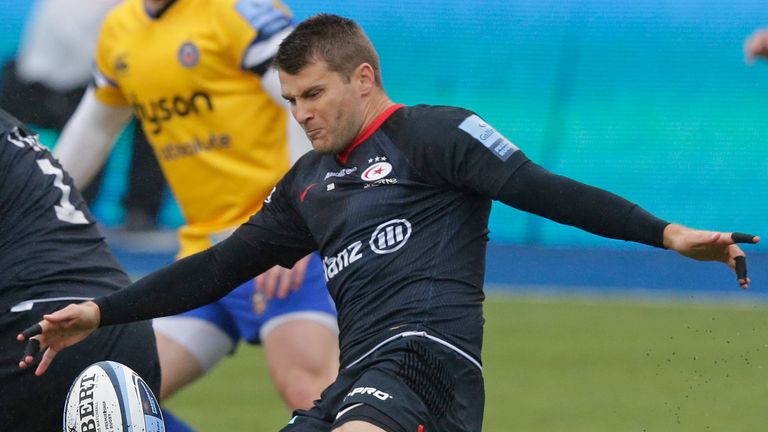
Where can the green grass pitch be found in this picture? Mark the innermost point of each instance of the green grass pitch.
(567, 364)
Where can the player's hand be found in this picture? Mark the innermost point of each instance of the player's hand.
(280, 281)
(711, 246)
(756, 46)
(57, 331)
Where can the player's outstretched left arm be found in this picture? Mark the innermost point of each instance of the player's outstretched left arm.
(57, 331)
(534, 189)
(711, 246)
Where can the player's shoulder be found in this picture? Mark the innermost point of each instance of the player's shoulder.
(124, 17)
(424, 121)
(419, 115)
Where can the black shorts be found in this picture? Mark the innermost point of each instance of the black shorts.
(30, 403)
(412, 384)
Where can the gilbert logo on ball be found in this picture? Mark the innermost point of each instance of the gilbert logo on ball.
(110, 397)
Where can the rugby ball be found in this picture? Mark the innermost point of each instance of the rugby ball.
(110, 397)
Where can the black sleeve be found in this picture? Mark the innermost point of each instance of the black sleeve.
(189, 283)
(533, 189)
(275, 235)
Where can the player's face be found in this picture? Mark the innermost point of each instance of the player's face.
(329, 108)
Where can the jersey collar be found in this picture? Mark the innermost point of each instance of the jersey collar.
(160, 12)
(343, 156)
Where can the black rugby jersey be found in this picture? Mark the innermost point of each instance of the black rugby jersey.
(400, 219)
(49, 244)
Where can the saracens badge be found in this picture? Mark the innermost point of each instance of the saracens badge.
(377, 171)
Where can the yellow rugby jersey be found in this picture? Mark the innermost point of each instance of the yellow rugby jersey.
(192, 74)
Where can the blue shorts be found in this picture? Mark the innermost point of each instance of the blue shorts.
(236, 314)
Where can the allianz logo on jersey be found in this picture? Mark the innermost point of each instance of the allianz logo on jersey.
(157, 112)
(387, 238)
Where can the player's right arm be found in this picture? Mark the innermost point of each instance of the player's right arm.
(87, 139)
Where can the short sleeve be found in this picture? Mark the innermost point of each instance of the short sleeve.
(458, 148)
(105, 85)
(252, 31)
(280, 225)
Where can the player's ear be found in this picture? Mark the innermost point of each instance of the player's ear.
(366, 77)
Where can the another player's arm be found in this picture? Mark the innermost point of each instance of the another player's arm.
(88, 137)
(756, 46)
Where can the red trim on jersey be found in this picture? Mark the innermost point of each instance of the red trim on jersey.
(368, 131)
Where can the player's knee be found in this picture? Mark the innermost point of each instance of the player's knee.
(300, 390)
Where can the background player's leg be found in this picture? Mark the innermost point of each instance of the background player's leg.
(358, 426)
(299, 335)
(179, 366)
(303, 359)
(189, 346)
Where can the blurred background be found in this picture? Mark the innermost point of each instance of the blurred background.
(650, 99)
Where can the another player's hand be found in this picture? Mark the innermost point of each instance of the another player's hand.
(57, 331)
(280, 281)
(711, 246)
(756, 46)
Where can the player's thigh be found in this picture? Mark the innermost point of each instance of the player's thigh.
(303, 343)
(191, 344)
(31, 403)
(302, 356)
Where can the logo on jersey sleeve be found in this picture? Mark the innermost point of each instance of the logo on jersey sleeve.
(189, 54)
(501, 147)
(121, 64)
